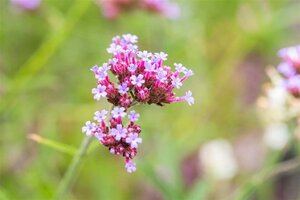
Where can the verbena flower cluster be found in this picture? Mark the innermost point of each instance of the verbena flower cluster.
(112, 8)
(136, 77)
(290, 69)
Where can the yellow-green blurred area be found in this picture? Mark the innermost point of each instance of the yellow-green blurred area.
(45, 90)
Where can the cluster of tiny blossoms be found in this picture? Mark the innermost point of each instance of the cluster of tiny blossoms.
(112, 8)
(140, 77)
(290, 69)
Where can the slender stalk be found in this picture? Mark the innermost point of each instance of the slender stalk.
(72, 171)
(70, 175)
(250, 186)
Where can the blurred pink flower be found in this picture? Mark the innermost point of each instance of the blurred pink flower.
(163, 7)
(27, 4)
(291, 55)
(290, 69)
(111, 9)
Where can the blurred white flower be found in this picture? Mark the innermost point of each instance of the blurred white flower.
(276, 136)
(218, 159)
(277, 98)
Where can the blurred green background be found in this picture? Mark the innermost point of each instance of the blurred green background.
(45, 89)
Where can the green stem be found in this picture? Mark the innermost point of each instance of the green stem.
(70, 175)
(72, 171)
(247, 189)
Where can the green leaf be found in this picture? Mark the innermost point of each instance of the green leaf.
(53, 144)
(200, 190)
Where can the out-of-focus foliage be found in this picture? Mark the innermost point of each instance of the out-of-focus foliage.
(226, 43)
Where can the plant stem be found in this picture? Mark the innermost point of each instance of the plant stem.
(71, 173)
(250, 186)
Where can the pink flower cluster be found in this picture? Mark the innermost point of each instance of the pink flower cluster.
(112, 8)
(141, 77)
(290, 69)
(163, 7)
(28, 5)
(120, 139)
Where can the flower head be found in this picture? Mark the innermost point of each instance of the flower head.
(100, 115)
(180, 68)
(144, 55)
(176, 81)
(132, 68)
(140, 77)
(161, 56)
(189, 98)
(99, 135)
(89, 128)
(161, 75)
(133, 139)
(99, 92)
(130, 38)
(137, 80)
(149, 67)
(133, 116)
(130, 166)
(119, 132)
(118, 112)
(123, 88)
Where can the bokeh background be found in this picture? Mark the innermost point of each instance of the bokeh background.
(45, 99)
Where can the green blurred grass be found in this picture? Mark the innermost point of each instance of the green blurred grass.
(212, 37)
